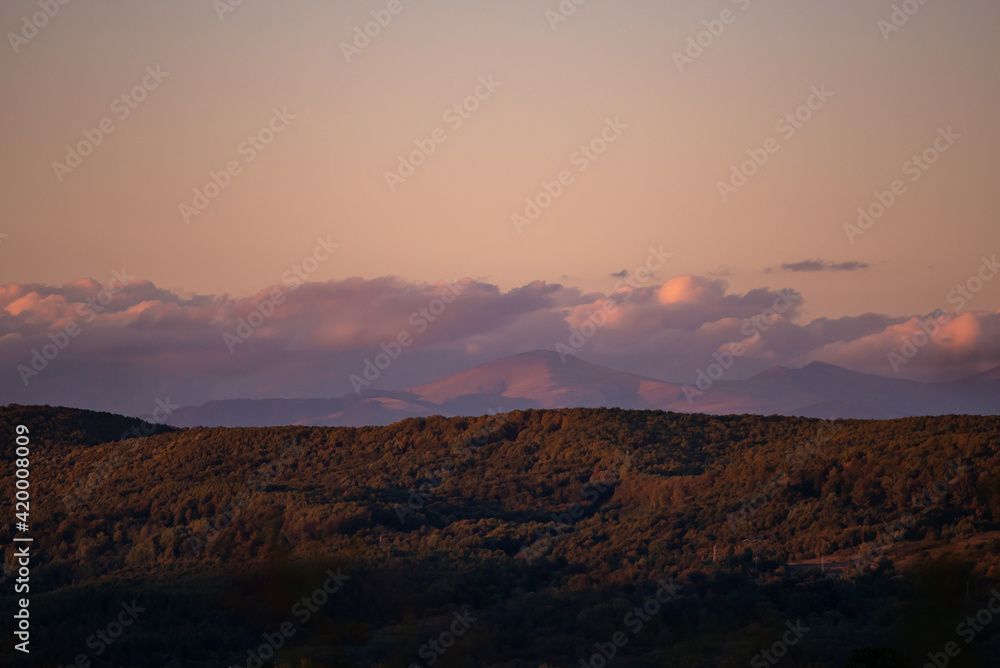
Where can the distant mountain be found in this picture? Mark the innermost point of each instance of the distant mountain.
(537, 379)
(986, 376)
(368, 408)
(544, 380)
(541, 379)
(819, 387)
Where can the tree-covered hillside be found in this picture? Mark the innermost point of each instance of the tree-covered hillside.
(530, 538)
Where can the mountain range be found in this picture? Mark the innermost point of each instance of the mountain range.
(543, 379)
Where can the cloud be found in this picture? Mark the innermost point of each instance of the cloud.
(962, 346)
(620, 274)
(820, 265)
(848, 266)
(142, 343)
(687, 289)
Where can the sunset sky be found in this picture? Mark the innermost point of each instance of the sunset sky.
(607, 76)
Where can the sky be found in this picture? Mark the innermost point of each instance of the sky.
(210, 153)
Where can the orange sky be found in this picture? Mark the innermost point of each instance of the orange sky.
(657, 184)
(218, 147)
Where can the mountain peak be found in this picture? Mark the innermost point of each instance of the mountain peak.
(823, 366)
(811, 370)
(992, 374)
(544, 355)
(544, 377)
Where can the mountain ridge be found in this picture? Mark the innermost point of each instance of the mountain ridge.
(544, 379)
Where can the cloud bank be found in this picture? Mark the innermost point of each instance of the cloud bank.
(123, 345)
(820, 265)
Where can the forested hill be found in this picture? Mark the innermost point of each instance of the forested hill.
(69, 426)
(547, 527)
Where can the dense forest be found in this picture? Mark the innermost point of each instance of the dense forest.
(563, 538)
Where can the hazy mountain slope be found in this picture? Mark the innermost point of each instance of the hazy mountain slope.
(253, 412)
(373, 411)
(543, 379)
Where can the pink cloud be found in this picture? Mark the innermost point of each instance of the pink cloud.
(686, 289)
(145, 343)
